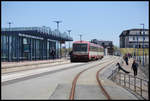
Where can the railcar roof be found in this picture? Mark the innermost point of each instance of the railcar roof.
(88, 43)
(81, 42)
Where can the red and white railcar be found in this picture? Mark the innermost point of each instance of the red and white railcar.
(85, 51)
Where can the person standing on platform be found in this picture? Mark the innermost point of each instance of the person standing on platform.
(126, 59)
(53, 53)
(134, 67)
(70, 53)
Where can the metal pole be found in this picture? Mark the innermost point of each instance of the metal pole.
(137, 47)
(143, 43)
(120, 78)
(9, 24)
(148, 88)
(141, 86)
(113, 75)
(129, 81)
(80, 37)
(69, 44)
(135, 51)
(69, 41)
(135, 83)
(57, 22)
(9, 41)
(57, 25)
(124, 80)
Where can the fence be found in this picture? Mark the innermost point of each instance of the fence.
(138, 85)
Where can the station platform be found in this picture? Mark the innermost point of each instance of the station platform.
(7, 67)
(117, 91)
(92, 91)
(23, 63)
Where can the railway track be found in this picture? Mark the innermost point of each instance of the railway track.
(29, 67)
(74, 83)
(42, 73)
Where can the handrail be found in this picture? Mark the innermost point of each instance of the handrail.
(141, 82)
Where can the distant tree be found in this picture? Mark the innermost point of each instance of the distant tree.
(116, 47)
(65, 51)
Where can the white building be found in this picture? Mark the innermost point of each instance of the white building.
(133, 38)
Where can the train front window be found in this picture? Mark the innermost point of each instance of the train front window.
(80, 47)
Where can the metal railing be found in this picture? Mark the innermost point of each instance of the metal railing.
(136, 84)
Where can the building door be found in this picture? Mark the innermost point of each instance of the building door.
(26, 49)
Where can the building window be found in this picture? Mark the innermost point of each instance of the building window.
(4, 47)
(24, 40)
(133, 37)
(146, 46)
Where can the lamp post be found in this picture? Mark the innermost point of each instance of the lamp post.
(57, 22)
(80, 37)
(137, 47)
(143, 43)
(9, 41)
(69, 41)
(9, 24)
(135, 51)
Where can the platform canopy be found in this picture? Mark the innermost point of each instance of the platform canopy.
(45, 32)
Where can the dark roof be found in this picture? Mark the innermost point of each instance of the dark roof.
(95, 40)
(106, 43)
(127, 32)
(137, 29)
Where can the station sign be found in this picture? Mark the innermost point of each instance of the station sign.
(30, 36)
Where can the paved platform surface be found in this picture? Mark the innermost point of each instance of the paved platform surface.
(116, 92)
(88, 92)
(8, 67)
(27, 74)
(25, 63)
(92, 91)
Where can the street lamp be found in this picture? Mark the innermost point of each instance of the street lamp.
(69, 41)
(135, 51)
(143, 43)
(57, 22)
(9, 24)
(9, 41)
(137, 46)
(80, 37)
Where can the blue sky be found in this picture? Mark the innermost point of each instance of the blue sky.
(94, 20)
